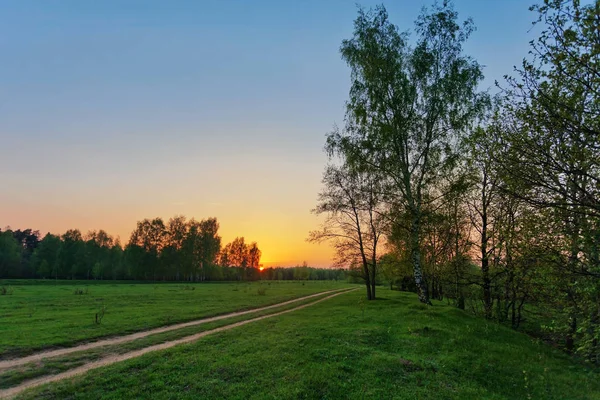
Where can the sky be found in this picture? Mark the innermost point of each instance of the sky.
(115, 111)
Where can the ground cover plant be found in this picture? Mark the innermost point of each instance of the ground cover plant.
(39, 316)
(393, 347)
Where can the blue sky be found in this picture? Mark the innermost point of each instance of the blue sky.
(113, 111)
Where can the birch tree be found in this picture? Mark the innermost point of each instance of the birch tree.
(408, 107)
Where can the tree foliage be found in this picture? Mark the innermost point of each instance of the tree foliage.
(494, 209)
(408, 107)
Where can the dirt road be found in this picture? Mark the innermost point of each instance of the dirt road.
(11, 363)
(8, 393)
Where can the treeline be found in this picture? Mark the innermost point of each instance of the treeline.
(178, 250)
(490, 203)
(304, 273)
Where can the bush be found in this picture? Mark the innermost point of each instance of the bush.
(262, 291)
(80, 291)
(100, 314)
(6, 290)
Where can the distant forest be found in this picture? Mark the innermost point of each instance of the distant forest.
(178, 250)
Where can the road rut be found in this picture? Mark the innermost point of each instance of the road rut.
(11, 363)
(11, 392)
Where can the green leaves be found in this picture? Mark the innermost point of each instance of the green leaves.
(550, 137)
(408, 108)
(407, 105)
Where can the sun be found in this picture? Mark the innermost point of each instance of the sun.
(261, 268)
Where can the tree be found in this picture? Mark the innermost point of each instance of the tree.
(97, 253)
(177, 230)
(10, 255)
(29, 240)
(45, 258)
(135, 257)
(395, 270)
(243, 259)
(254, 254)
(354, 222)
(72, 254)
(238, 253)
(224, 260)
(150, 236)
(553, 143)
(550, 142)
(482, 205)
(118, 269)
(210, 242)
(408, 106)
(192, 251)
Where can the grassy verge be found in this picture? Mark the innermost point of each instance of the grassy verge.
(50, 366)
(344, 348)
(43, 316)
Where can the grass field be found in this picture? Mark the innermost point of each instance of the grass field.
(347, 348)
(45, 314)
(57, 364)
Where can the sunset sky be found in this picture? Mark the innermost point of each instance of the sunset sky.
(114, 111)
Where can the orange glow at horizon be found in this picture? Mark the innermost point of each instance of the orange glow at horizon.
(271, 207)
(112, 119)
(278, 222)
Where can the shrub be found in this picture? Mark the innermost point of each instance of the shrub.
(80, 291)
(262, 291)
(100, 314)
(6, 290)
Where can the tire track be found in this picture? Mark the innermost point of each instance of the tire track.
(11, 392)
(11, 363)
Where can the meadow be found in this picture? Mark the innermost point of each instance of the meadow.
(345, 347)
(38, 315)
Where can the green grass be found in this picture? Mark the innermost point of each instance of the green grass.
(47, 314)
(397, 348)
(54, 365)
